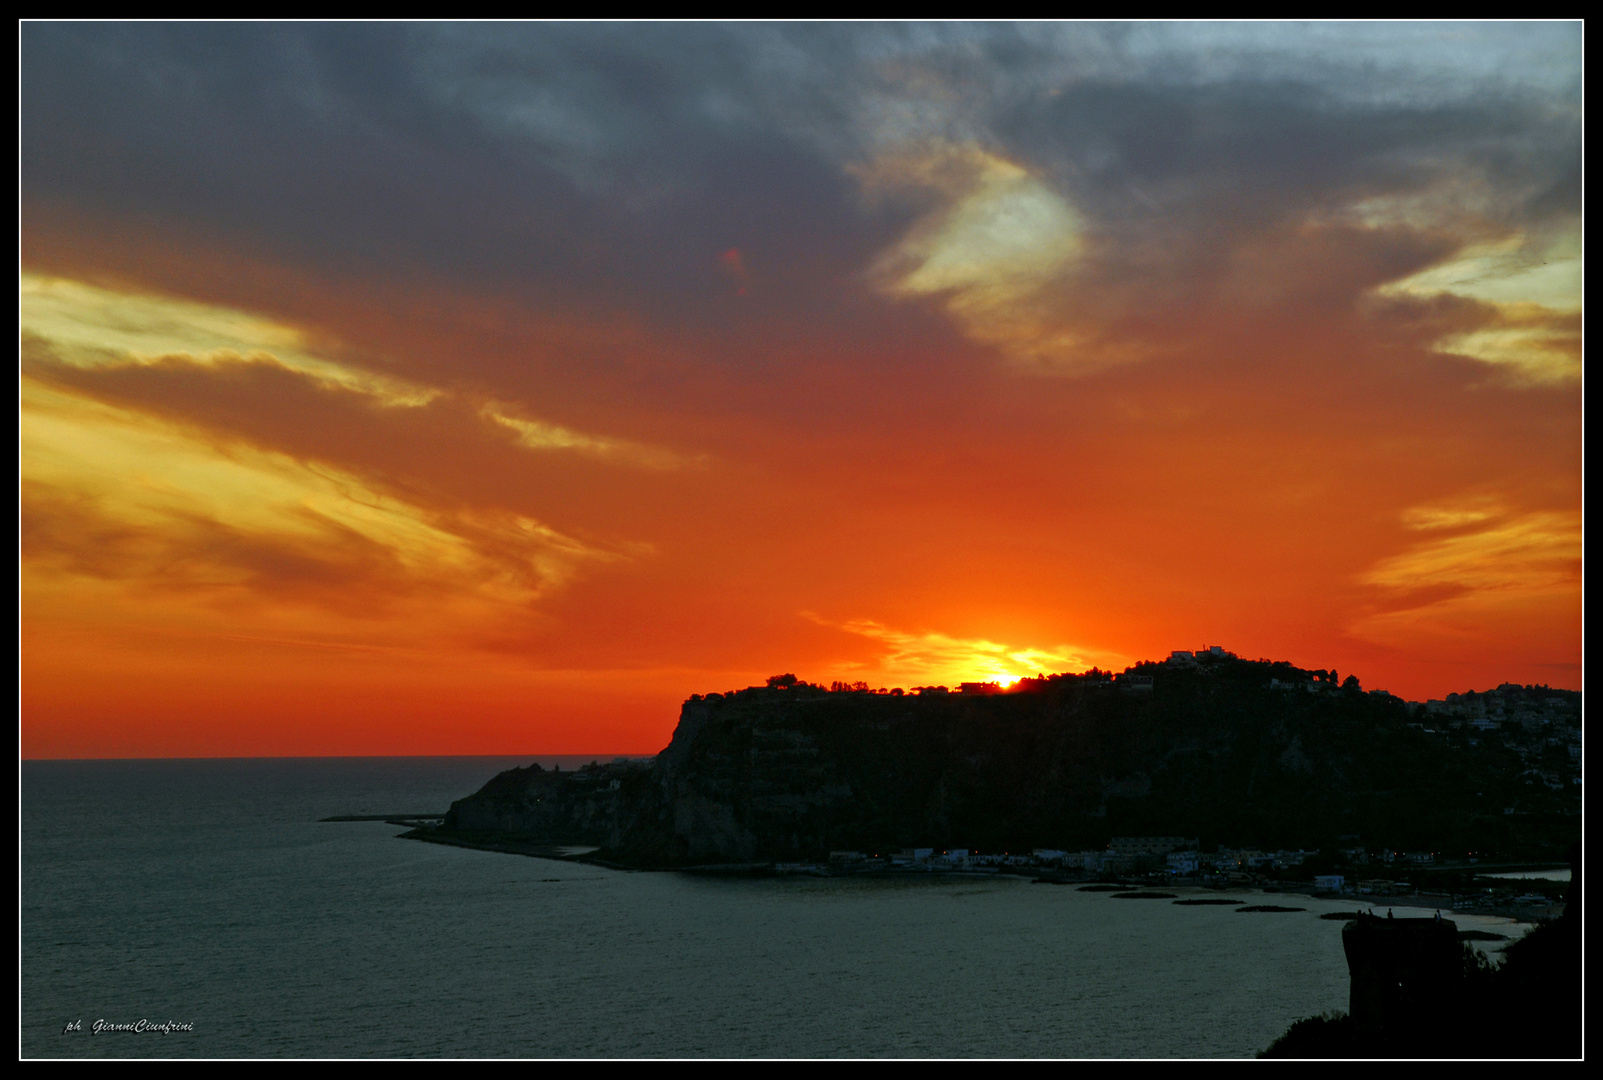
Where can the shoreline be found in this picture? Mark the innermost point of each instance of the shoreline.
(554, 852)
(1447, 905)
(1529, 913)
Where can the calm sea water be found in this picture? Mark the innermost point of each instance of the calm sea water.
(207, 893)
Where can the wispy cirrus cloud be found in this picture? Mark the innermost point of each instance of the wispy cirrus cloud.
(1479, 566)
(1528, 292)
(89, 328)
(114, 494)
(186, 449)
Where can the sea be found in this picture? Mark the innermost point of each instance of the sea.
(200, 909)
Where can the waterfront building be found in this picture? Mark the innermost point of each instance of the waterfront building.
(1150, 845)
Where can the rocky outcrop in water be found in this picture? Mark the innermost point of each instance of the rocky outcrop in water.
(1418, 991)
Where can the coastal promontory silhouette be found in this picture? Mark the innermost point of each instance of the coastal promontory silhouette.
(1212, 746)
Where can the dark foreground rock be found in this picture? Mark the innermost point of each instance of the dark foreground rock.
(1419, 990)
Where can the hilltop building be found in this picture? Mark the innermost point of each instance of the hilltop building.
(1182, 658)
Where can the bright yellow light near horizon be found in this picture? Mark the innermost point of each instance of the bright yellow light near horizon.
(937, 659)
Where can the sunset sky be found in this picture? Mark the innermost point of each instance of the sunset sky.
(471, 389)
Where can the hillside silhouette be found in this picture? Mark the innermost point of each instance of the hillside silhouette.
(1228, 751)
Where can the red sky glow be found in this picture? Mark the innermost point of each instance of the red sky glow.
(458, 389)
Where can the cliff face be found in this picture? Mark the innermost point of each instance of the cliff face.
(782, 774)
(602, 806)
(792, 774)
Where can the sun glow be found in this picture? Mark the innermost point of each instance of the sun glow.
(936, 658)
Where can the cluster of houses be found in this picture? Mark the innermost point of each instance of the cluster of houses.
(1338, 883)
(1376, 886)
(1360, 856)
(926, 858)
(1532, 719)
(1542, 727)
(1176, 855)
(1509, 703)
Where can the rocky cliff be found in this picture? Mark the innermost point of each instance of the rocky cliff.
(1227, 753)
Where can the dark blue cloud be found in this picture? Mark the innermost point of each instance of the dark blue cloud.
(603, 168)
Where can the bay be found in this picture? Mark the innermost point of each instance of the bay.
(208, 893)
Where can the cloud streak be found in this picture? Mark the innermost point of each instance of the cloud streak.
(221, 476)
(1482, 566)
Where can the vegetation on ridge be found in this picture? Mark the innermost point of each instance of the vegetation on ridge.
(1231, 751)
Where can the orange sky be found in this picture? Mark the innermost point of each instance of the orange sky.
(461, 390)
